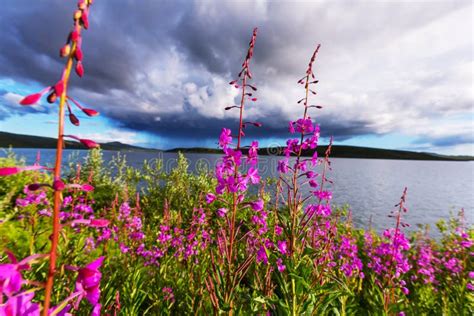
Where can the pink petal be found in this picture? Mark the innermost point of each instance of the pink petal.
(65, 50)
(94, 265)
(59, 87)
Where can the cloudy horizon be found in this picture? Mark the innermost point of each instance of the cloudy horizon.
(395, 75)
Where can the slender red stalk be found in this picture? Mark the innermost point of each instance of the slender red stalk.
(294, 201)
(57, 194)
(57, 170)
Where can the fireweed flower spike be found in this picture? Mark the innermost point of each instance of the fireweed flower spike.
(72, 51)
(230, 180)
(291, 174)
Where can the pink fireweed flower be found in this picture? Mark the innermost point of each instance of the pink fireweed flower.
(262, 255)
(210, 198)
(88, 282)
(10, 273)
(222, 212)
(282, 247)
(291, 127)
(168, 294)
(20, 305)
(32, 198)
(257, 205)
(10, 279)
(253, 176)
(253, 154)
(304, 126)
(278, 230)
(225, 138)
(348, 256)
(283, 166)
(280, 266)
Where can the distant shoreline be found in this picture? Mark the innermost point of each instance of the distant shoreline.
(18, 141)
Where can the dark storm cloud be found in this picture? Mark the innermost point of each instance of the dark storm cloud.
(162, 66)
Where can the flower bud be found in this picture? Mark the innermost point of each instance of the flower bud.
(90, 112)
(78, 54)
(89, 143)
(34, 186)
(31, 99)
(79, 69)
(74, 120)
(52, 97)
(77, 14)
(65, 50)
(59, 87)
(74, 36)
(85, 20)
(58, 185)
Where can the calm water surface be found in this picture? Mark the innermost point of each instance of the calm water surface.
(371, 187)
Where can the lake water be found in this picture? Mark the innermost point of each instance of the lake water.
(371, 187)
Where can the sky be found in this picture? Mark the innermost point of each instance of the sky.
(392, 74)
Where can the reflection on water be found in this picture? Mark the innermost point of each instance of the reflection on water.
(371, 187)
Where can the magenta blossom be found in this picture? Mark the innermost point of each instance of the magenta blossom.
(262, 255)
(253, 176)
(221, 212)
(88, 282)
(281, 267)
(20, 305)
(282, 247)
(10, 273)
(225, 138)
(210, 198)
(257, 205)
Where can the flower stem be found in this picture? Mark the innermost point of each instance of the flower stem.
(57, 194)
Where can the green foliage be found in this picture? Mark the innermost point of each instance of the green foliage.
(170, 197)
